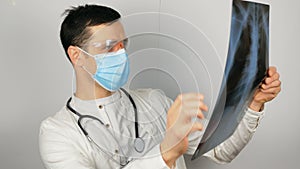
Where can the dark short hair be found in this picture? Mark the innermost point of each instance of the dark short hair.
(74, 27)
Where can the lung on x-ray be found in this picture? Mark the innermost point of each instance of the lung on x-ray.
(246, 66)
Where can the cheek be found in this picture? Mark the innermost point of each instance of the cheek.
(91, 65)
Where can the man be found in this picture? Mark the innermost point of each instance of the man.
(103, 126)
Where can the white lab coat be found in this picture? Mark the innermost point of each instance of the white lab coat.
(64, 146)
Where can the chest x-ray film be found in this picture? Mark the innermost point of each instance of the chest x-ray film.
(246, 65)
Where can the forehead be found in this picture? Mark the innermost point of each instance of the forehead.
(103, 32)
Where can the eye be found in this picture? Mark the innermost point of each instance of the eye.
(98, 47)
(110, 44)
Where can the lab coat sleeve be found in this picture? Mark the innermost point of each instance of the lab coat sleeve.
(230, 148)
(58, 151)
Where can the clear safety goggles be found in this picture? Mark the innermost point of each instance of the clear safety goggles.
(106, 38)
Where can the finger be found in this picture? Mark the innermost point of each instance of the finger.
(274, 90)
(188, 114)
(197, 114)
(201, 96)
(202, 106)
(267, 97)
(200, 115)
(272, 78)
(272, 70)
(194, 104)
(185, 97)
(275, 83)
(192, 96)
(196, 127)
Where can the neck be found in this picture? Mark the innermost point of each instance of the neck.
(92, 94)
(90, 90)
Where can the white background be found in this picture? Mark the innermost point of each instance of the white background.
(36, 78)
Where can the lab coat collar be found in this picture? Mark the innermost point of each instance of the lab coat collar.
(94, 107)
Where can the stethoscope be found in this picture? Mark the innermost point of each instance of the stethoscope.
(139, 143)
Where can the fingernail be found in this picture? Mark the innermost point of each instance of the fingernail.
(206, 108)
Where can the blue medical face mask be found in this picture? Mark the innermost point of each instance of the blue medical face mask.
(112, 69)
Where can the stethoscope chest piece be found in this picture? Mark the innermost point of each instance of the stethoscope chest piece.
(139, 144)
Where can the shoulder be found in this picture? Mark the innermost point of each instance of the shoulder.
(60, 138)
(60, 121)
(59, 129)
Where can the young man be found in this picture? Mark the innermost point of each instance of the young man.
(103, 126)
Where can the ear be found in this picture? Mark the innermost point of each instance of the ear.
(75, 55)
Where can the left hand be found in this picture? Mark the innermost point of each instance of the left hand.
(267, 91)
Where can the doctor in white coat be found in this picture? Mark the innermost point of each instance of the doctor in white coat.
(103, 126)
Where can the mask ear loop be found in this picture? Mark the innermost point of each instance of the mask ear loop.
(83, 67)
(73, 90)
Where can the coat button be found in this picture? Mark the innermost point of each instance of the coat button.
(116, 151)
(106, 125)
(100, 106)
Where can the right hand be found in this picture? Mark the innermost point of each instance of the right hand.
(180, 125)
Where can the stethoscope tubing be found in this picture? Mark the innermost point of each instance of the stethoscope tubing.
(139, 143)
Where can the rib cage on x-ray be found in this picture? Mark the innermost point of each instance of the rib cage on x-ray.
(247, 62)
